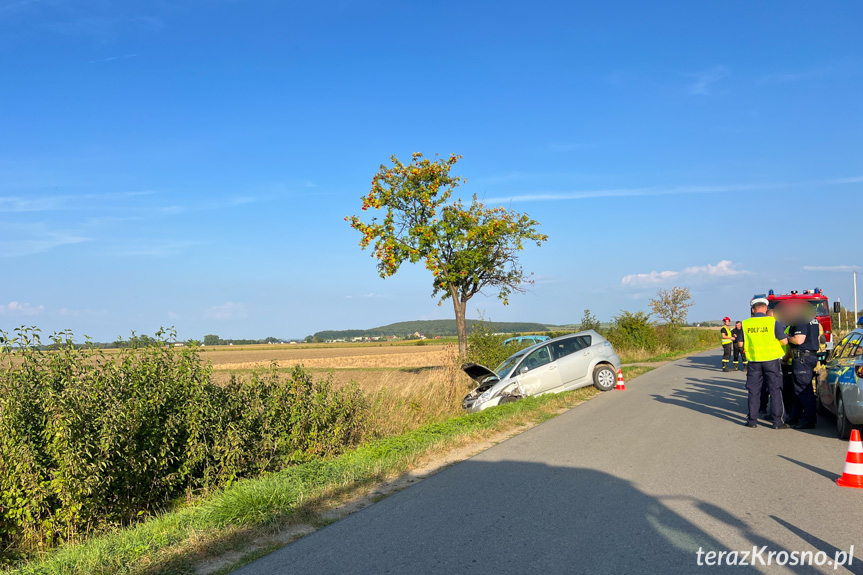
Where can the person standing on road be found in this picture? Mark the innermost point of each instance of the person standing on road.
(763, 341)
(727, 342)
(804, 343)
(739, 351)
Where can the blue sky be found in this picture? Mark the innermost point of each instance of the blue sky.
(190, 162)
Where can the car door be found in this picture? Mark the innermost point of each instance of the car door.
(573, 356)
(839, 359)
(827, 382)
(538, 372)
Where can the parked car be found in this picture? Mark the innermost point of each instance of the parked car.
(560, 364)
(839, 383)
(522, 339)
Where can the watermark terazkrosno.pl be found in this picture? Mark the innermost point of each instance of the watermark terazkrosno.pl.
(763, 556)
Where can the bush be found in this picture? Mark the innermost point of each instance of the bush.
(633, 331)
(90, 440)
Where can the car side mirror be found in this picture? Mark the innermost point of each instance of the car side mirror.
(522, 370)
(837, 307)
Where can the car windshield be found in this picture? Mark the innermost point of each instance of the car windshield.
(821, 308)
(503, 369)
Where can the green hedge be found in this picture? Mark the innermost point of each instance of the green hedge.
(91, 440)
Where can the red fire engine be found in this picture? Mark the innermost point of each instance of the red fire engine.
(818, 300)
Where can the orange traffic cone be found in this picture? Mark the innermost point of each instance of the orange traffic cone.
(620, 384)
(852, 476)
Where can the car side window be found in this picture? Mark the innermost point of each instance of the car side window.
(850, 346)
(852, 350)
(538, 358)
(837, 349)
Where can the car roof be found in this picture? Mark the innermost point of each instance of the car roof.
(592, 333)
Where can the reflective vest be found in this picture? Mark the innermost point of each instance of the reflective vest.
(760, 339)
(725, 334)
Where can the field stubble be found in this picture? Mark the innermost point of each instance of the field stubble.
(407, 386)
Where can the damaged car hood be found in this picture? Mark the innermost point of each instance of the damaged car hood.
(478, 373)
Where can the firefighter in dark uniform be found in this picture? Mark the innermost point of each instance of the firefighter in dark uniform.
(804, 343)
(727, 342)
(763, 341)
(739, 351)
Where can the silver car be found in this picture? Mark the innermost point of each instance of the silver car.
(560, 364)
(839, 384)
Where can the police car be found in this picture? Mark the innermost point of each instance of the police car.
(839, 384)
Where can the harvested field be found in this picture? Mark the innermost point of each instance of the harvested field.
(329, 357)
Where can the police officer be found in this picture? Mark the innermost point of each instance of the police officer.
(804, 343)
(739, 352)
(727, 342)
(763, 341)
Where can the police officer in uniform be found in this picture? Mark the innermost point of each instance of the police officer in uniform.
(763, 341)
(727, 342)
(804, 343)
(739, 352)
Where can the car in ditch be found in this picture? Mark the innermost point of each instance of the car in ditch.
(559, 364)
(839, 383)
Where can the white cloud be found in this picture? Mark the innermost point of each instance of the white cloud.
(724, 268)
(842, 268)
(704, 81)
(228, 310)
(668, 190)
(39, 241)
(15, 308)
(370, 295)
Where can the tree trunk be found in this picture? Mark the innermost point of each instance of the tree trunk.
(460, 325)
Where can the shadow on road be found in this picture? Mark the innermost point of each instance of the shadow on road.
(515, 517)
(722, 398)
(856, 566)
(822, 472)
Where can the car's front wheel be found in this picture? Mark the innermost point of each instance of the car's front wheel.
(843, 426)
(604, 378)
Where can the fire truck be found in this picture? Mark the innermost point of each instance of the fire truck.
(818, 300)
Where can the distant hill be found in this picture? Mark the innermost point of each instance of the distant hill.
(431, 328)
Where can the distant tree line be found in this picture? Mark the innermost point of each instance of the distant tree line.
(430, 328)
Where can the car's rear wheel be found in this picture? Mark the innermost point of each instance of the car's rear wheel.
(843, 426)
(604, 378)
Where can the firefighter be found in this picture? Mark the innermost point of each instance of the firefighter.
(763, 341)
(727, 342)
(804, 343)
(739, 351)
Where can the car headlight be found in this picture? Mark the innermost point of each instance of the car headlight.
(486, 395)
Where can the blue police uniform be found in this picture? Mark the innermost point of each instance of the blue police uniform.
(767, 374)
(804, 359)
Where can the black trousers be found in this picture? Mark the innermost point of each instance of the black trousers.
(726, 354)
(739, 354)
(766, 373)
(802, 369)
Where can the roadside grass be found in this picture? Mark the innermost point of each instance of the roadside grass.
(662, 353)
(254, 509)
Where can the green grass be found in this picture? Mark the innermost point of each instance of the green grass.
(175, 542)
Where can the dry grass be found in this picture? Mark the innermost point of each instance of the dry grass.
(407, 386)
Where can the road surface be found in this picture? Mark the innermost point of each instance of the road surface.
(633, 481)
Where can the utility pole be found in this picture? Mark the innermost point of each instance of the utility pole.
(839, 300)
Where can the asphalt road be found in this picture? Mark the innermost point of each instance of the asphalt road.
(632, 481)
